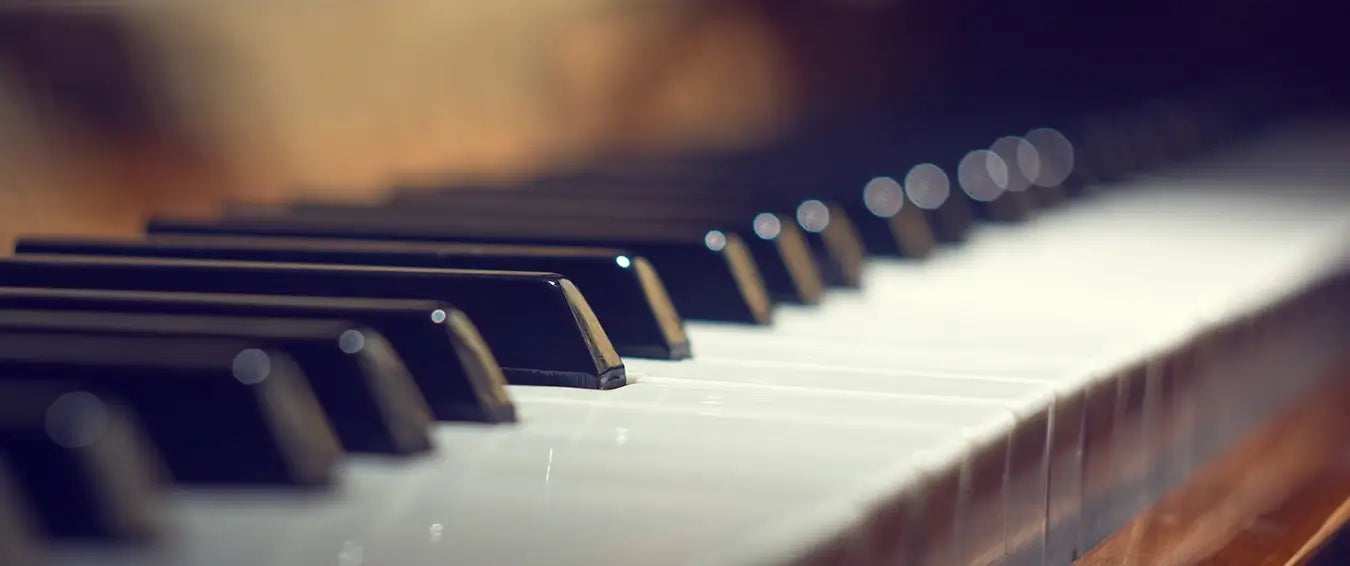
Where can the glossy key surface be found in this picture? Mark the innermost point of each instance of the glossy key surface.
(623, 289)
(637, 189)
(538, 325)
(824, 227)
(710, 274)
(778, 245)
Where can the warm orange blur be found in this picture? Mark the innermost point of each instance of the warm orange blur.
(267, 101)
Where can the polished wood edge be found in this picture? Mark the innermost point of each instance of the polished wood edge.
(1332, 527)
(1274, 497)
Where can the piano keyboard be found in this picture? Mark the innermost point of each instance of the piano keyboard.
(1011, 399)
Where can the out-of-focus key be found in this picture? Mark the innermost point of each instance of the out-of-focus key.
(18, 541)
(539, 326)
(824, 226)
(709, 273)
(623, 289)
(81, 462)
(775, 242)
(218, 411)
(361, 383)
(456, 372)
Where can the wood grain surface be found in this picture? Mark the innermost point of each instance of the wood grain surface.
(1274, 498)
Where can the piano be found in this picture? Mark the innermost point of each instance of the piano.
(999, 321)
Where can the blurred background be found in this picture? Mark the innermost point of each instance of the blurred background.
(113, 111)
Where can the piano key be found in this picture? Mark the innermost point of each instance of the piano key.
(897, 227)
(936, 375)
(623, 289)
(218, 411)
(834, 240)
(710, 275)
(717, 188)
(360, 382)
(538, 325)
(886, 216)
(703, 490)
(1054, 165)
(81, 462)
(983, 176)
(877, 204)
(19, 544)
(455, 372)
(704, 454)
(778, 247)
(951, 221)
(824, 225)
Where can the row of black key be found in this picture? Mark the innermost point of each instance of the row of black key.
(258, 361)
(541, 329)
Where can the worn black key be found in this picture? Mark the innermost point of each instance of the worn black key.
(443, 351)
(823, 227)
(623, 289)
(359, 380)
(218, 411)
(81, 462)
(709, 274)
(538, 325)
(19, 544)
(777, 245)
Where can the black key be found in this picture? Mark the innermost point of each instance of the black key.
(19, 544)
(710, 274)
(443, 351)
(1008, 207)
(218, 411)
(360, 382)
(952, 220)
(774, 241)
(984, 179)
(538, 325)
(623, 289)
(695, 193)
(1048, 196)
(82, 463)
(786, 262)
(824, 227)
(835, 242)
(896, 226)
